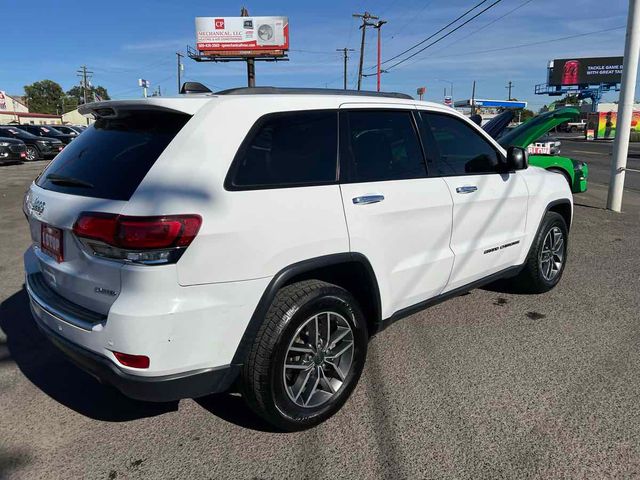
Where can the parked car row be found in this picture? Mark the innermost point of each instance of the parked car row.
(34, 142)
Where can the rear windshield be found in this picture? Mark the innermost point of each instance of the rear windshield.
(112, 156)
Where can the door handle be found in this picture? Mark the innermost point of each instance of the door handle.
(367, 199)
(466, 189)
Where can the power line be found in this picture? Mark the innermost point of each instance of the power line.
(457, 40)
(542, 42)
(434, 34)
(444, 36)
(313, 52)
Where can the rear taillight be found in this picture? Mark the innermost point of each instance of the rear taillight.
(137, 239)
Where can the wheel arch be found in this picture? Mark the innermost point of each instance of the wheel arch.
(563, 207)
(351, 271)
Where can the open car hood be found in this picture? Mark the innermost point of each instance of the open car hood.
(496, 126)
(530, 131)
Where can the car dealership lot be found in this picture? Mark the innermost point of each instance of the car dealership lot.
(490, 384)
(597, 154)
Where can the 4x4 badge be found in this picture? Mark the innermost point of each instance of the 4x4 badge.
(37, 206)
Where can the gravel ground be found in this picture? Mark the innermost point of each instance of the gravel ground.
(487, 385)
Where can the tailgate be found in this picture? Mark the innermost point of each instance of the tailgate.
(85, 280)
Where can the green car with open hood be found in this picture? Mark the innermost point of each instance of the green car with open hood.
(524, 135)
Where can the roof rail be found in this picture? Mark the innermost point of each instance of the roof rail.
(309, 91)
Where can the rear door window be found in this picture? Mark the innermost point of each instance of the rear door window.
(287, 149)
(113, 156)
(381, 145)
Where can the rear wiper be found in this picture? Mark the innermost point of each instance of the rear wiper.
(68, 181)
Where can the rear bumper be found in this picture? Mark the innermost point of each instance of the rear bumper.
(58, 318)
(163, 388)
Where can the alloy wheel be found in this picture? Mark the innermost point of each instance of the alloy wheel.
(32, 154)
(318, 359)
(552, 254)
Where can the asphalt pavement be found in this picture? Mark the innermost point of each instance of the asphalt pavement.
(597, 154)
(487, 385)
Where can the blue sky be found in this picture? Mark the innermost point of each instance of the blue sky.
(121, 41)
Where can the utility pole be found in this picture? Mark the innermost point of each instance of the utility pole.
(625, 108)
(365, 17)
(473, 98)
(378, 26)
(179, 55)
(345, 51)
(509, 85)
(83, 73)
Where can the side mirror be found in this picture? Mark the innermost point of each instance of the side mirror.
(517, 158)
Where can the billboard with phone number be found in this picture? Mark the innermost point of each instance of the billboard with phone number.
(242, 36)
(586, 71)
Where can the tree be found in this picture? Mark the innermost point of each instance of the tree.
(44, 96)
(93, 94)
(526, 114)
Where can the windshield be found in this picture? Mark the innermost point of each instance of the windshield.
(16, 132)
(50, 131)
(114, 154)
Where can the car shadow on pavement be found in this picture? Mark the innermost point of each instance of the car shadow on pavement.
(231, 408)
(51, 372)
(505, 285)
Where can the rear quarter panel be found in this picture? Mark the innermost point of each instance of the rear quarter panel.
(244, 234)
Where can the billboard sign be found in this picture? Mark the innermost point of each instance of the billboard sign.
(3, 100)
(608, 121)
(242, 36)
(586, 71)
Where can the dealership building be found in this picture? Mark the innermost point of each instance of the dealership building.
(14, 111)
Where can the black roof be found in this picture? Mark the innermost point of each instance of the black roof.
(309, 91)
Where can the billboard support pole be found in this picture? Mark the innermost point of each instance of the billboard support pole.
(179, 55)
(625, 108)
(251, 62)
(251, 72)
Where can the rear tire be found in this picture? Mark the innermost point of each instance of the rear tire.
(307, 356)
(548, 256)
(33, 154)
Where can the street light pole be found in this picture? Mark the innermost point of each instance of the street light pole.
(625, 108)
(450, 85)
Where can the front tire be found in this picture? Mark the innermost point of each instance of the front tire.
(547, 257)
(307, 356)
(33, 153)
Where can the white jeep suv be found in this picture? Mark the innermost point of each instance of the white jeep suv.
(257, 238)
